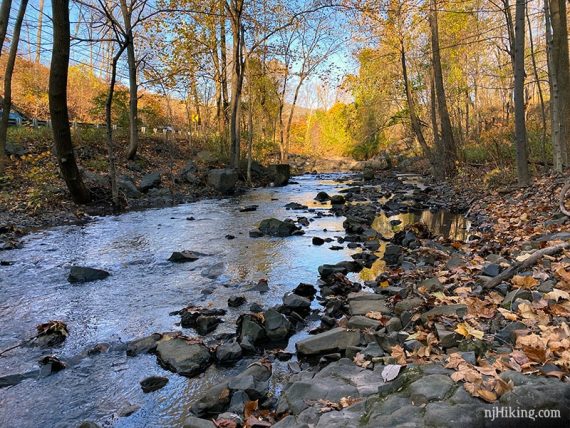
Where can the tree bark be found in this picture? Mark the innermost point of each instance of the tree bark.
(4, 19)
(447, 139)
(7, 101)
(561, 72)
(520, 123)
(39, 32)
(133, 85)
(58, 103)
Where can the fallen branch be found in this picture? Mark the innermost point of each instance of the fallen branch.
(535, 257)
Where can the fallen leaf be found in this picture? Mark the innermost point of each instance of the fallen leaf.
(524, 281)
(391, 372)
(466, 330)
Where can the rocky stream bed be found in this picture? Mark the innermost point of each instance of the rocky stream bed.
(317, 304)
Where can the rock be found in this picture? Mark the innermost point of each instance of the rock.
(518, 293)
(206, 324)
(189, 316)
(194, 422)
(274, 227)
(368, 175)
(337, 339)
(469, 357)
(248, 208)
(277, 326)
(228, 353)
(430, 388)
(327, 270)
(431, 285)
(318, 241)
(236, 301)
(373, 350)
(153, 383)
(447, 339)
(150, 181)
(183, 257)
(279, 174)
(237, 403)
(262, 286)
(360, 322)
(183, 357)
(393, 255)
(446, 310)
(491, 269)
(408, 304)
(255, 233)
(362, 303)
(508, 333)
(143, 345)
(296, 206)
(187, 173)
(256, 307)
(81, 274)
(128, 410)
(305, 290)
(394, 324)
(250, 326)
(322, 197)
(254, 389)
(223, 180)
(88, 424)
(12, 149)
(338, 200)
(127, 186)
(295, 302)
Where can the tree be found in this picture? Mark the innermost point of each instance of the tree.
(448, 151)
(58, 103)
(520, 123)
(4, 20)
(7, 101)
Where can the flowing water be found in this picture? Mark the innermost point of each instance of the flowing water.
(144, 288)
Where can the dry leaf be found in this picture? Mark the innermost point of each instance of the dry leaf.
(524, 281)
(466, 330)
(391, 372)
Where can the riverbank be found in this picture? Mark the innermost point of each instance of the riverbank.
(364, 345)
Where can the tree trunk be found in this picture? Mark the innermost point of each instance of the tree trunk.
(238, 69)
(133, 85)
(520, 125)
(561, 70)
(58, 103)
(414, 121)
(448, 142)
(4, 19)
(39, 32)
(7, 101)
(223, 70)
(554, 95)
(539, 87)
(109, 126)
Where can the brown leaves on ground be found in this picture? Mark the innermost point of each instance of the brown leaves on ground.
(52, 327)
(329, 406)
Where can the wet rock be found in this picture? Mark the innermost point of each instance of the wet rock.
(143, 345)
(296, 302)
(213, 271)
(236, 301)
(327, 270)
(248, 208)
(279, 174)
(183, 256)
(223, 180)
(254, 389)
(262, 286)
(128, 410)
(256, 307)
(447, 310)
(373, 350)
(189, 316)
(81, 274)
(194, 422)
(305, 290)
(88, 424)
(318, 241)
(393, 255)
(255, 233)
(295, 206)
(338, 200)
(394, 324)
(362, 303)
(277, 326)
(368, 175)
(51, 364)
(303, 221)
(183, 356)
(127, 186)
(153, 383)
(228, 353)
(237, 403)
(322, 197)
(274, 227)
(150, 181)
(249, 326)
(337, 339)
(206, 324)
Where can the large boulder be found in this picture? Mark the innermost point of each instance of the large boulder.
(337, 339)
(127, 186)
(183, 356)
(188, 173)
(277, 326)
(79, 274)
(279, 174)
(274, 227)
(223, 180)
(150, 181)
